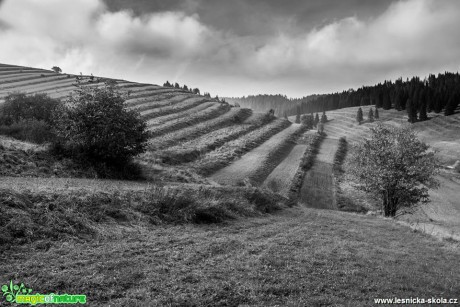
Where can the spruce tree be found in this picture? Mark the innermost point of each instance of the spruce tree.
(451, 105)
(324, 117)
(359, 116)
(316, 119)
(376, 115)
(411, 111)
(297, 117)
(371, 115)
(386, 105)
(423, 106)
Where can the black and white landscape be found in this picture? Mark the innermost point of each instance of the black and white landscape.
(230, 153)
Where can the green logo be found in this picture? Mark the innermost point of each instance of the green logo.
(20, 294)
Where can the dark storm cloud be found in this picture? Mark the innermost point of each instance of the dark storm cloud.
(236, 47)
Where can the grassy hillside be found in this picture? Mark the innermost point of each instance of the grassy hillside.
(224, 216)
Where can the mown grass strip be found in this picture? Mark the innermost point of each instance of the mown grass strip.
(181, 106)
(190, 120)
(225, 154)
(233, 116)
(155, 101)
(276, 155)
(192, 150)
(307, 162)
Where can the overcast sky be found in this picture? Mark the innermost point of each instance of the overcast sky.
(238, 47)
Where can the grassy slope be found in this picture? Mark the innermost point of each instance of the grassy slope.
(297, 257)
(293, 258)
(318, 186)
(441, 217)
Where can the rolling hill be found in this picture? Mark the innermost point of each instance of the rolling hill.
(199, 231)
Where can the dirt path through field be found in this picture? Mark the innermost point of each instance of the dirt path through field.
(253, 160)
(318, 186)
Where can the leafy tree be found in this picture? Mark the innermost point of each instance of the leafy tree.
(167, 84)
(176, 85)
(376, 115)
(370, 116)
(94, 124)
(394, 166)
(56, 69)
(324, 117)
(196, 91)
(359, 116)
(185, 87)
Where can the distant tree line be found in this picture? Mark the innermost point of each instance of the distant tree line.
(437, 94)
(195, 90)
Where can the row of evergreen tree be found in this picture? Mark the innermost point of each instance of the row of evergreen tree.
(195, 90)
(433, 94)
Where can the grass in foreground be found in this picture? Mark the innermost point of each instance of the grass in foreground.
(298, 257)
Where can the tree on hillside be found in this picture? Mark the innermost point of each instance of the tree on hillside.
(370, 115)
(307, 120)
(324, 117)
(411, 111)
(359, 116)
(423, 106)
(316, 119)
(297, 117)
(395, 167)
(167, 84)
(56, 69)
(376, 115)
(285, 115)
(176, 85)
(196, 91)
(95, 125)
(452, 104)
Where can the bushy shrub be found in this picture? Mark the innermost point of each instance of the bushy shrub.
(36, 131)
(20, 106)
(28, 117)
(94, 124)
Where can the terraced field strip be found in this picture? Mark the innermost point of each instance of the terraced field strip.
(137, 96)
(318, 186)
(280, 179)
(193, 149)
(5, 79)
(234, 116)
(224, 155)
(199, 104)
(190, 120)
(158, 102)
(36, 82)
(257, 164)
(152, 116)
